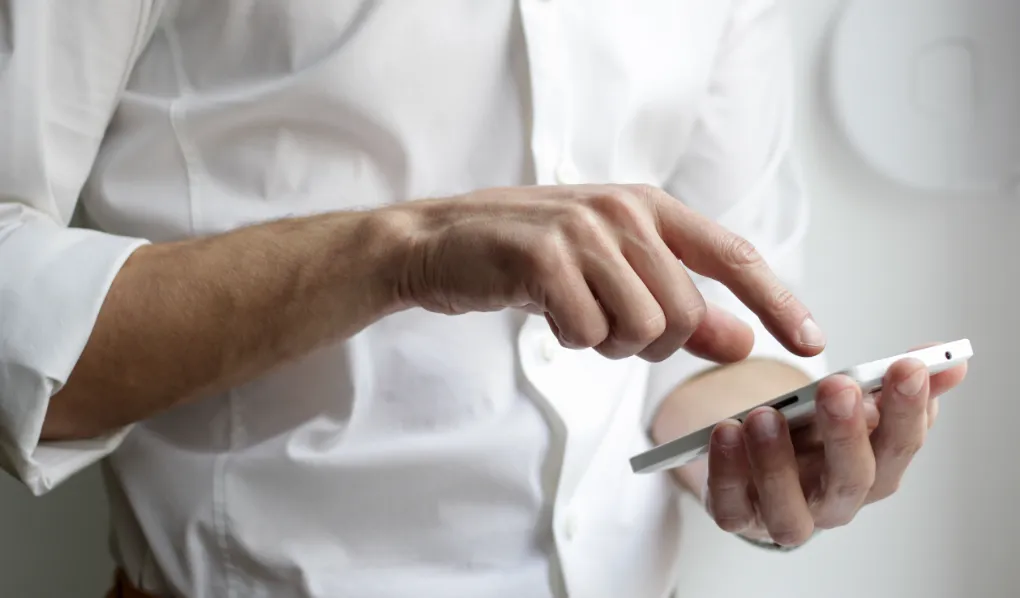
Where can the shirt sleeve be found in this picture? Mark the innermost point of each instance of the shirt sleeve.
(740, 170)
(63, 66)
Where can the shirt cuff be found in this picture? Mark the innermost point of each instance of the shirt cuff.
(666, 376)
(53, 281)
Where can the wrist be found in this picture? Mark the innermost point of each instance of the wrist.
(414, 231)
(387, 239)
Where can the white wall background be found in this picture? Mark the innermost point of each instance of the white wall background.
(917, 269)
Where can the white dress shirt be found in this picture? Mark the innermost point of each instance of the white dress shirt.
(464, 456)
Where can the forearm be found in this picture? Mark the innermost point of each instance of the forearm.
(194, 317)
(715, 395)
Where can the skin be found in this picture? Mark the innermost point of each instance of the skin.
(781, 486)
(605, 264)
(196, 317)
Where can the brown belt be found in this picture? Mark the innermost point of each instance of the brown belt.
(123, 588)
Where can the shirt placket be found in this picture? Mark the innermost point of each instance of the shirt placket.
(551, 151)
(551, 93)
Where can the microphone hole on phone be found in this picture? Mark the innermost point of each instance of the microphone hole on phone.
(949, 355)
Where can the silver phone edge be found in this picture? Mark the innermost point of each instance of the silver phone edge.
(694, 446)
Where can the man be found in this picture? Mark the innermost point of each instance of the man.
(379, 298)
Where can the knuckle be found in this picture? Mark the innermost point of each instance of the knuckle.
(549, 256)
(642, 330)
(886, 490)
(613, 349)
(732, 523)
(835, 520)
(617, 205)
(845, 441)
(610, 198)
(902, 413)
(657, 354)
(724, 486)
(782, 299)
(771, 474)
(905, 450)
(580, 222)
(740, 253)
(650, 329)
(794, 534)
(647, 192)
(850, 491)
(679, 328)
(729, 454)
(691, 316)
(590, 336)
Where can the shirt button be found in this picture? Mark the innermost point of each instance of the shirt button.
(549, 349)
(567, 174)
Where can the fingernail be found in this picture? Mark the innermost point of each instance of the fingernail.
(912, 385)
(728, 435)
(766, 425)
(810, 334)
(842, 405)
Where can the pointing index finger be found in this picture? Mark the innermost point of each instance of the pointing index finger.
(711, 250)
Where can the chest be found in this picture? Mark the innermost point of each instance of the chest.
(282, 108)
(655, 45)
(584, 73)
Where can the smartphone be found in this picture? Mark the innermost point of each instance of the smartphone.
(799, 406)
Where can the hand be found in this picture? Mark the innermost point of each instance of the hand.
(604, 263)
(769, 484)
